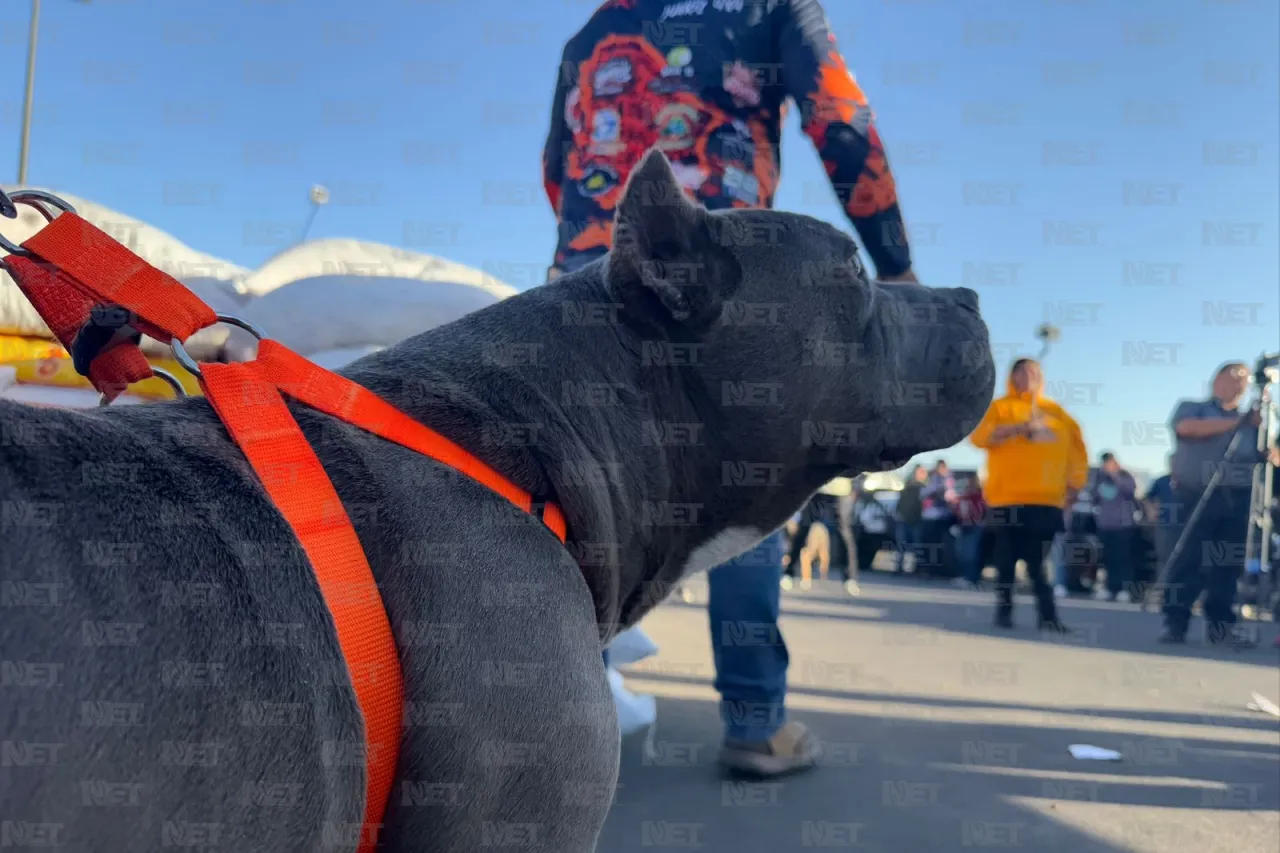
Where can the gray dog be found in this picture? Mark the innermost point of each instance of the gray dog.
(170, 673)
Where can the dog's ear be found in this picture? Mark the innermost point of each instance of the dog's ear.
(666, 247)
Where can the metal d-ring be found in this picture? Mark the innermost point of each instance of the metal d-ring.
(189, 364)
(28, 197)
(161, 373)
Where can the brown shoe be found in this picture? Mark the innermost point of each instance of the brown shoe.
(791, 749)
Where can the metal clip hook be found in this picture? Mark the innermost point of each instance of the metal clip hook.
(178, 390)
(184, 358)
(8, 208)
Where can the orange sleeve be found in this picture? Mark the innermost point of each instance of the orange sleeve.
(981, 435)
(834, 113)
(1077, 455)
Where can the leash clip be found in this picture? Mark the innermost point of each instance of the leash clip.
(9, 208)
(161, 373)
(189, 364)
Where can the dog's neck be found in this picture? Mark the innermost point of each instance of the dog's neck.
(552, 391)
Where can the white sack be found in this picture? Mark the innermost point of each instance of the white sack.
(343, 312)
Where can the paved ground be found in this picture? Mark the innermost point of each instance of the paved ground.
(944, 735)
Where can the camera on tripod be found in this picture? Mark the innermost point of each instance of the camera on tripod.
(1257, 568)
(1266, 370)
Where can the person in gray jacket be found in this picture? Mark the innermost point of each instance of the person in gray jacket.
(1210, 560)
(1113, 497)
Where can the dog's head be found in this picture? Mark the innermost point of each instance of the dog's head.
(775, 322)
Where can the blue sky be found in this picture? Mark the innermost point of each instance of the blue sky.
(1041, 148)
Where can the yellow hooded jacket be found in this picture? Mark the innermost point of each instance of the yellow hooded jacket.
(1022, 471)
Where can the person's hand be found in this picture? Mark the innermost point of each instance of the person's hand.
(1070, 499)
(1274, 455)
(1036, 430)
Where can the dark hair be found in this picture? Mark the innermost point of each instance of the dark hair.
(1022, 362)
(1107, 456)
(1228, 366)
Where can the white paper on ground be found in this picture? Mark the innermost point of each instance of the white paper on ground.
(1263, 704)
(1085, 752)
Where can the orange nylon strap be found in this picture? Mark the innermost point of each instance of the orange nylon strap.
(64, 307)
(347, 401)
(257, 418)
(85, 267)
(113, 275)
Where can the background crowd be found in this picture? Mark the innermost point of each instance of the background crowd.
(1110, 540)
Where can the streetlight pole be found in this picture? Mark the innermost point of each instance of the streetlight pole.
(25, 141)
(319, 197)
(28, 98)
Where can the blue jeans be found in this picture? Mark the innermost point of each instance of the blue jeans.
(909, 538)
(969, 553)
(1058, 559)
(750, 655)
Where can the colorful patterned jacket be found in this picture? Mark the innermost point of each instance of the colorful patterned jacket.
(708, 81)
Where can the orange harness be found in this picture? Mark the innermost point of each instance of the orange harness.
(98, 298)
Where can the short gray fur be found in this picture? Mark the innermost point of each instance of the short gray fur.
(171, 677)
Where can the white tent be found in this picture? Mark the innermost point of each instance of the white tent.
(315, 297)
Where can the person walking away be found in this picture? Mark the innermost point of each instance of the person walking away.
(910, 519)
(718, 119)
(820, 508)
(970, 509)
(936, 500)
(1036, 464)
(846, 501)
(1210, 558)
(1112, 494)
(837, 500)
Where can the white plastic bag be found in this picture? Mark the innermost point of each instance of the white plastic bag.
(630, 646)
(634, 712)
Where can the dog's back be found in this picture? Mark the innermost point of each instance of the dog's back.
(165, 644)
(170, 669)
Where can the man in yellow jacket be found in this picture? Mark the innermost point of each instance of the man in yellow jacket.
(1036, 463)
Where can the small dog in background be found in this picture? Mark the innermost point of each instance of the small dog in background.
(817, 546)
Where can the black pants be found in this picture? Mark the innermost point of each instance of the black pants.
(1210, 561)
(1025, 533)
(797, 545)
(1117, 556)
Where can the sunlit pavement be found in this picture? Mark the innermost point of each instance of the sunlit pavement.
(942, 733)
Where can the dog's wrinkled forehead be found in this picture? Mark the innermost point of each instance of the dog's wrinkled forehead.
(776, 247)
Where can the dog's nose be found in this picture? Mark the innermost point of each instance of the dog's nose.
(965, 297)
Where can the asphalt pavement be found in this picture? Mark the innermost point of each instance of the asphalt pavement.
(943, 733)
